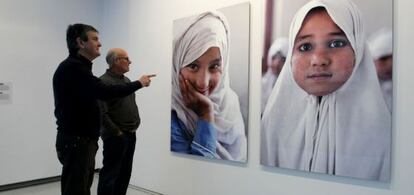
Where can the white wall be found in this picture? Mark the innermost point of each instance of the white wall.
(149, 37)
(32, 37)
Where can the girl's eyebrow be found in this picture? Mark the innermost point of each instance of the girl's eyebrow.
(339, 33)
(215, 60)
(302, 37)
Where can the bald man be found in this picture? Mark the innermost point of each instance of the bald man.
(120, 121)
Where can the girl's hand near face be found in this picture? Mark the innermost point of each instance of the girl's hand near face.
(196, 101)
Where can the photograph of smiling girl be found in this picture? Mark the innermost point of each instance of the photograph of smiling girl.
(326, 113)
(209, 98)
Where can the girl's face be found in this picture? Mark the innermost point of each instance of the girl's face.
(322, 59)
(384, 67)
(204, 73)
(277, 63)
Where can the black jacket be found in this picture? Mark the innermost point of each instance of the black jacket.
(77, 92)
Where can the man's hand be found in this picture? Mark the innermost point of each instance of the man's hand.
(145, 80)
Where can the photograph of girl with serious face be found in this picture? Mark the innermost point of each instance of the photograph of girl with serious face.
(326, 113)
(206, 116)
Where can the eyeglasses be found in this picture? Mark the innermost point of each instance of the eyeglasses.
(124, 58)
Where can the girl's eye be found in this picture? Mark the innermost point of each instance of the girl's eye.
(192, 67)
(305, 47)
(215, 66)
(337, 43)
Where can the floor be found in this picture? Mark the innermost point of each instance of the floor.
(54, 189)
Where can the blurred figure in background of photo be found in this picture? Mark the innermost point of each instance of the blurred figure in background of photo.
(276, 58)
(380, 44)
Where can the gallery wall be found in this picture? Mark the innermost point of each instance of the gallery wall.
(32, 37)
(156, 168)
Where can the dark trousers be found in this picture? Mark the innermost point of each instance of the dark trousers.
(77, 155)
(118, 154)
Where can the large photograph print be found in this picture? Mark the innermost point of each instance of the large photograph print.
(210, 71)
(327, 87)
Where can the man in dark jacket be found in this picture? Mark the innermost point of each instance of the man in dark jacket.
(120, 121)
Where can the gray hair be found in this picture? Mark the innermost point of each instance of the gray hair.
(111, 57)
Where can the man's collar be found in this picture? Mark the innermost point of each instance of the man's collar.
(81, 58)
(109, 71)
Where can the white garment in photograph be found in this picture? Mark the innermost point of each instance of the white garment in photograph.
(380, 43)
(347, 132)
(197, 35)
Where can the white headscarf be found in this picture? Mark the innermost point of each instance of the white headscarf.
(380, 43)
(348, 132)
(280, 45)
(208, 30)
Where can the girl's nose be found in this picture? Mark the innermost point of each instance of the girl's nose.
(320, 57)
(203, 80)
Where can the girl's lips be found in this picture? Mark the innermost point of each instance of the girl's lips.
(319, 76)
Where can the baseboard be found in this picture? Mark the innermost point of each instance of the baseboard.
(144, 190)
(29, 183)
(24, 184)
